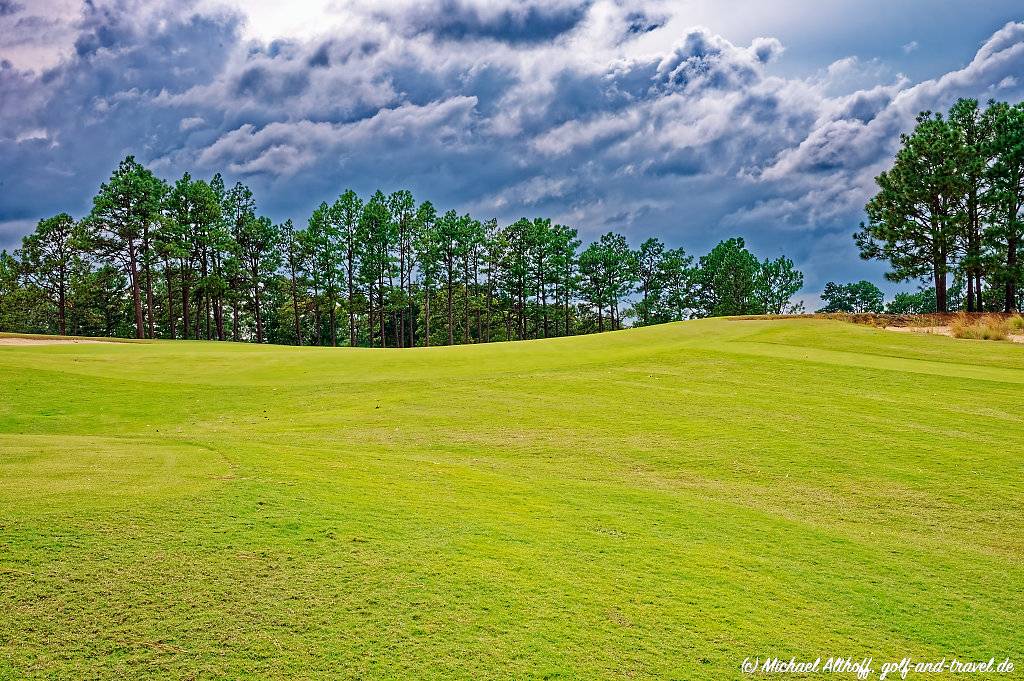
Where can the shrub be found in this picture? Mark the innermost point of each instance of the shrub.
(1016, 324)
(922, 302)
(980, 328)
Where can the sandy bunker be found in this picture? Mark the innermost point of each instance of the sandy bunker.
(943, 331)
(47, 341)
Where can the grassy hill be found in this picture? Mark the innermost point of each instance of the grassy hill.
(661, 502)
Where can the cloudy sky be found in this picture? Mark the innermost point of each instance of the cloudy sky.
(689, 120)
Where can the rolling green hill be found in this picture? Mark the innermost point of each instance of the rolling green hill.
(660, 502)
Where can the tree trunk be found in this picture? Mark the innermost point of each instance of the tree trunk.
(970, 290)
(476, 288)
(412, 307)
(295, 306)
(334, 322)
(147, 270)
(218, 317)
(203, 304)
(565, 302)
(371, 317)
(184, 302)
(490, 302)
(973, 242)
(319, 336)
(940, 288)
(351, 301)
(646, 303)
(522, 311)
(199, 315)
(149, 298)
(256, 303)
(400, 326)
(426, 324)
(1010, 304)
(544, 305)
(136, 293)
(369, 314)
(218, 309)
(382, 311)
(62, 305)
(451, 322)
(556, 296)
(465, 301)
(394, 316)
(170, 298)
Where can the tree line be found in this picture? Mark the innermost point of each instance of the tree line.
(953, 205)
(864, 296)
(194, 259)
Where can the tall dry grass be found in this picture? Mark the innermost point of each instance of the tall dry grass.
(989, 327)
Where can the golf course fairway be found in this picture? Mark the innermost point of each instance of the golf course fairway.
(653, 503)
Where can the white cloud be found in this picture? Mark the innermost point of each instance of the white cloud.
(191, 122)
(284, 148)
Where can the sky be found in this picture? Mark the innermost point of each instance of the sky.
(693, 121)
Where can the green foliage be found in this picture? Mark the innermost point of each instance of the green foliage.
(921, 302)
(257, 240)
(973, 132)
(196, 235)
(953, 202)
(665, 282)
(323, 244)
(564, 246)
(649, 259)
(101, 302)
(860, 296)
(47, 258)
(200, 262)
(22, 308)
(777, 282)
(728, 280)
(912, 221)
(127, 206)
(9, 289)
(1005, 200)
(606, 267)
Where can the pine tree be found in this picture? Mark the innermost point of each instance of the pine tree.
(1005, 199)
(913, 221)
(48, 258)
(122, 213)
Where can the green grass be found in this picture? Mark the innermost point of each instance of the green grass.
(655, 503)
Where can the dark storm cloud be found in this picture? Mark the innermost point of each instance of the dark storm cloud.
(641, 22)
(522, 22)
(63, 128)
(705, 60)
(498, 107)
